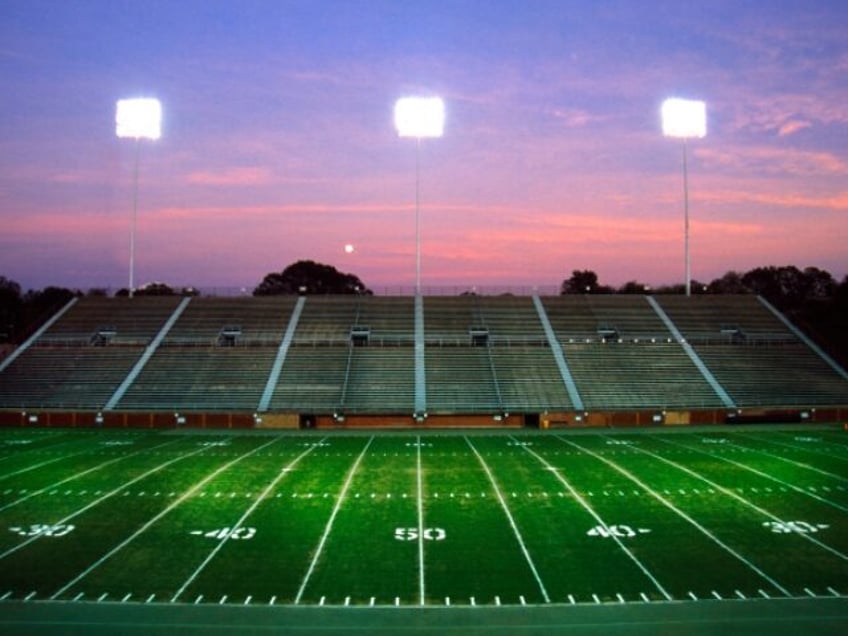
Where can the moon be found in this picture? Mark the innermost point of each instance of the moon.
(349, 249)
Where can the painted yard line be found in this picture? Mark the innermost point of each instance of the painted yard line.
(758, 472)
(160, 515)
(83, 473)
(679, 512)
(329, 525)
(420, 482)
(600, 521)
(511, 522)
(803, 447)
(794, 463)
(742, 500)
(241, 521)
(109, 494)
(49, 448)
(47, 463)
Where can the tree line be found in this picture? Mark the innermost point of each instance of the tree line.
(810, 297)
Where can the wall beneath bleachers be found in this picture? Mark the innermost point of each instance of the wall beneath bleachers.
(282, 421)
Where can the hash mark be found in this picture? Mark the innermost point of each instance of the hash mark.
(247, 600)
(273, 600)
(763, 593)
(102, 597)
(78, 597)
(717, 595)
(571, 599)
(473, 602)
(498, 601)
(30, 596)
(645, 597)
(521, 599)
(198, 599)
(810, 592)
(223, 600)
(620, 598)
(740, 594)
(321, 600)
(126, 598)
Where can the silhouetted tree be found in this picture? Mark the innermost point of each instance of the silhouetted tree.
(311, 278)
(583, 282)
(11, 306)
(730, 283)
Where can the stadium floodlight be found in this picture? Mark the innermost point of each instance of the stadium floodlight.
(137, 118)
(685, 119)
(419, 117)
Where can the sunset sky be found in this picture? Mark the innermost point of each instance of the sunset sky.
(278, 142)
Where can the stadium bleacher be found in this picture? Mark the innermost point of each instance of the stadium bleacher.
(347, 355)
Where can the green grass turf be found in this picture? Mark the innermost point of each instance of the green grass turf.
(429, 519)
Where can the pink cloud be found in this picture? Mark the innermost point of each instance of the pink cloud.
(236, 177)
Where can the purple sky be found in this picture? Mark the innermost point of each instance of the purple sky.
(278, 142)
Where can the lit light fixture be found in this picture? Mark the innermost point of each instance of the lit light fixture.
(137, 118)
(685, 119)
(419, 117)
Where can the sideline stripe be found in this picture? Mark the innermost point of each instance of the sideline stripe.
(109, 494)
(685, 516)
(329, 526)
(512, 524)
(421, 590)
(81, 474)
(600, 521)
(282, 473)
(159, 516)
(740, 499)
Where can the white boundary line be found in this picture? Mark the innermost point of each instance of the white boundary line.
(283, 472)
(555, 471)
(421, 587)
(756, 471)
(48, 462)
(740, 499)
(85, 472)
(511, 523)
(682, 514)
(46, 448)
(159, 516)
(329, 525)
(111, 493)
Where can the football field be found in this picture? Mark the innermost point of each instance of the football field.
(450, 520)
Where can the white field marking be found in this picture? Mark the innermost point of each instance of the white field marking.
(809, 592)
(30, 596)
(347, 601)
(223, 600)
(760, 473)
(372, 601)
(103, 498)
(716, 595)
(473, 601)
(512, 523)
(744, 501)
(198, 599)
(420, 486)
(102, 597)
(602, 523)
(321, 601)
(596, 599)
(273, 600)
(126, 598)
(78, 597)
(740, 595)
(150, 598)
(763, 593)
(6, 595)
(645, 597)
(832, 591)
(44, 463)
(796, 447)
(693, 596)
(177, 502)
(571, 599)
(498, 601)
(521, 599)
(248, 599)
(329, 525)
(239, 524)
(397, 601)
(679, 512)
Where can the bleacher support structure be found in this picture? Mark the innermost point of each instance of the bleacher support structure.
(470, 360)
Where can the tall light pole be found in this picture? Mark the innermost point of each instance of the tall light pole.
(685, 119)
(138, 118)
(419, 117)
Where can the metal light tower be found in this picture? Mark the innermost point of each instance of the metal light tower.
(685, 119)
(138, 118)
(419, 117)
